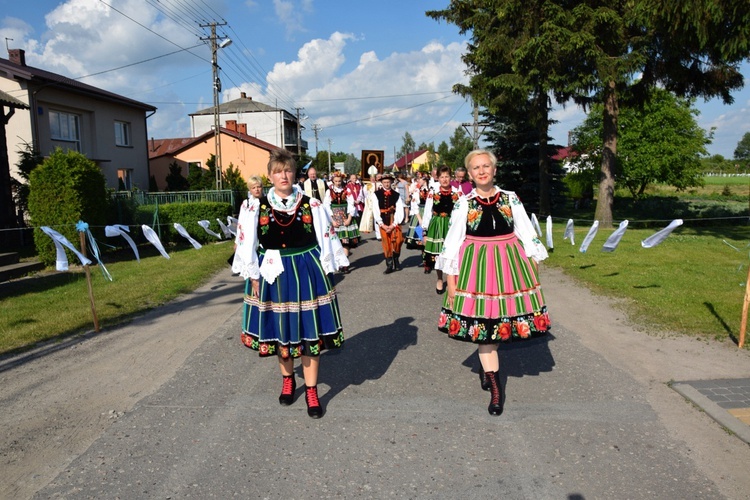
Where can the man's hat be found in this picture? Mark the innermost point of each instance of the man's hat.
(387, 175)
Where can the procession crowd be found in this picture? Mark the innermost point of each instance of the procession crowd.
(475, 237)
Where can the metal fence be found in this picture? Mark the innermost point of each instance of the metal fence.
(146, 198)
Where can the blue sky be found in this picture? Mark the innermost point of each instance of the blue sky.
(364, 72)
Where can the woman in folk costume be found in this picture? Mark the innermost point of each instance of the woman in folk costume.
(388, 210)
(340, 205)
(418, 199)
(437, 211)
(287, 250)
(490, 256)
(358, 193)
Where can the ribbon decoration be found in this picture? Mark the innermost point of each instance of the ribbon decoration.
(151, 236)
(121, 230)
(224, 229)
(614, 238)
(550, 245)
(232, 223)
(589, 237)
(83, 227)
(569, 232)
(535, 223)
(660, 236)
(183, 232)
(204, 224)
(59, 240)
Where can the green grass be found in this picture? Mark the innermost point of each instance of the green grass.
(53, 305)
(693, 283)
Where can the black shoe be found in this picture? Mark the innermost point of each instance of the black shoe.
(289, 385)
(388, 265)
(396, 263)
(496, 399)
(440, 291)
(485, 383)
(314, 410)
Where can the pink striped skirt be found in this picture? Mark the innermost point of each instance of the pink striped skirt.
(498, 294)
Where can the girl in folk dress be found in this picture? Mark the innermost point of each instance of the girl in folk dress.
(417, 202)
(339, 202)
(490, 257)
(437, 211)
(367, 224)
(287, 250)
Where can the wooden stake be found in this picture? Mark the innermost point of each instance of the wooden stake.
(88, 281)
(743, 324)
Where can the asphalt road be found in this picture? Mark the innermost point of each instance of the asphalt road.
(589, 411)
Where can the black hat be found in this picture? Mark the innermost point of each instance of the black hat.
(387, 175)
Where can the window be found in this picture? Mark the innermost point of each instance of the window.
(65, 127)
(122, 134)
(124, 179)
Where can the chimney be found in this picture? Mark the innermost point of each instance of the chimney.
(242, 128)
(243, 95)
(231, 125)
(17, 56)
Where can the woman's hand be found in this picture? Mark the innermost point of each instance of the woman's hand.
(348, 221)
(451, 282)
(255, 285)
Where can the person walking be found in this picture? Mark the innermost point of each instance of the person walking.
(490, 259)
(418, 199)
(340, 205)
(287, 251)
(388, 211)
(437, 211)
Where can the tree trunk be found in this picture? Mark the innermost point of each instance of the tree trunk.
(544, 194)
(609, 155)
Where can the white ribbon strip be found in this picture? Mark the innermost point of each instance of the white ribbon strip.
(151, 236)
(589, 237)
(569, 232)
(204, 224)
(224, 229)
(614, 238)
(272, 266)
(232, 224)
(183, 232)
(121, 230)
(535, 223)
(657, 238)
(59, 240)
(550, 245)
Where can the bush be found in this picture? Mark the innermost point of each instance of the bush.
(65, 188)
(186, 214)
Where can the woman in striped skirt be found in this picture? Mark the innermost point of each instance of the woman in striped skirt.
(418, 199)
(287, 251)
(437, 211)
(339, 202)
(490, 257)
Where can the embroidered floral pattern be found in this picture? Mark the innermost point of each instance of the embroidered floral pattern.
(487, 331)
(264, 218)
(474, 215)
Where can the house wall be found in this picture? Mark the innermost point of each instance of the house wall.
(261, 125)
(249, 159)
(97, 131)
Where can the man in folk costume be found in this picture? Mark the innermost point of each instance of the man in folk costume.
(314, 187)
(388, 211)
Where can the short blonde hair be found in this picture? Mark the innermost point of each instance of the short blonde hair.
(281, 159)
(252, 181)
(478, 152)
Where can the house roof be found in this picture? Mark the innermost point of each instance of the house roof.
(170, 147)
(239, 105)
(39, 77)
(563, 153)
(408, 158)
(10, 101)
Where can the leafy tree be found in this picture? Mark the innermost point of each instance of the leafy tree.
(408, 146)
(442, 152)
(589, 50)
(153, 187)
(659, 142)
(742, 152)
(175, 180)
(352, 165)
(29, 159)
(460, 145)
(233, 179)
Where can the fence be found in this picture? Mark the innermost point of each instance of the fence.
(146, 198)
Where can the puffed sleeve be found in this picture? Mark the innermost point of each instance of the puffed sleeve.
(350, 208)
(524, 230)
(332, 255)
(447, 261)
(398, 216)
(376, 209)
(246, 256)
(414, 201)
(427, 215)
(327, 202)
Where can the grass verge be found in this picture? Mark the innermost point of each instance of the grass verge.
(693, 283)
(52, 305)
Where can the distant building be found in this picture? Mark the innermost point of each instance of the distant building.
(271, 125)
(107, 128)
(248, 154)
(413, 162)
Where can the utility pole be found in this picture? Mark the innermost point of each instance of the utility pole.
(299, 136)
(329, 158)
(217, 88)
(316, 128)
(475, 133)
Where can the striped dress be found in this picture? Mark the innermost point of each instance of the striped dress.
(493, 249)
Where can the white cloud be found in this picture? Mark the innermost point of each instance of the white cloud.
(292, 14)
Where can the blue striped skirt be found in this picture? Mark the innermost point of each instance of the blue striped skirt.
(297, 315)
